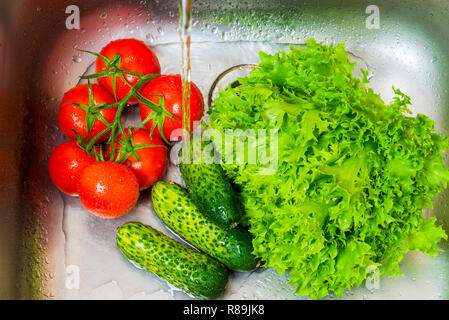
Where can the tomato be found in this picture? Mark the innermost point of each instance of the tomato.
(152, 161)
(108, 189)
(65, 165)
(136, 56)
(170, 87)
(72, 117)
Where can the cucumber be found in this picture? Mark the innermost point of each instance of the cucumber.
(212, 193)
(232, 247)
(185, 268)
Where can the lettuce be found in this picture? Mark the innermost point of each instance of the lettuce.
(353, 175)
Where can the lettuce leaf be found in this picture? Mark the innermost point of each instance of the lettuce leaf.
(353, 176)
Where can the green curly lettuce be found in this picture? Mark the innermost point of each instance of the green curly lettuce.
(353, 175)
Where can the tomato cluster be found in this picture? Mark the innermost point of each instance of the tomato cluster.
(105, 164)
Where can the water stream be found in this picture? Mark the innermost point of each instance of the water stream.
(185, 22)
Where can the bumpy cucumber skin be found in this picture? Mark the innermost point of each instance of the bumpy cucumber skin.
(212, 193)
(185, 268)
(231, 247)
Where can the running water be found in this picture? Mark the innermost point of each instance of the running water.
(185, 22)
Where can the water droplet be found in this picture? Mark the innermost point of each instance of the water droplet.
(76, 58)
(149, 38)
(103, 15)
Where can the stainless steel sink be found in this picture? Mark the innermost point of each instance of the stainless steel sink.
(51, 248)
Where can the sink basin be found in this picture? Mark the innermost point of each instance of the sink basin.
(51, 248)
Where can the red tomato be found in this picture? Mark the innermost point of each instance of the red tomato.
(108, 189)
(152, 161)
(170, 86)
(135, 57)
(71, 117)
(65, 165)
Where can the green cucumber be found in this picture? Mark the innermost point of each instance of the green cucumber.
(212, 192)
(184, 267)
(232, 247)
